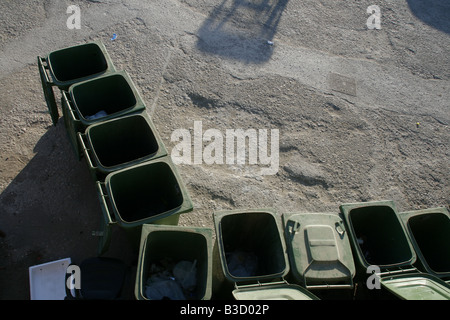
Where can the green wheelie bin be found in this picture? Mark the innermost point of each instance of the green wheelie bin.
(65, 67)
(147, 193)
(118, 143)
(382, 248)
(103, 98)
(175, 262)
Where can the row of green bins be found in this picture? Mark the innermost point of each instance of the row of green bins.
(97, 100)
(118, 143)
(257, 250)
(65, 67)
(380, 238)
(178, 244)
(151, 192)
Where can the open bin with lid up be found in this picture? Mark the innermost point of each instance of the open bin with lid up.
(429, 231)
(379, 239)
(119, 143)
(148, 193)
(97, 100)
(175, 263)
(65, 67)
(252, 254)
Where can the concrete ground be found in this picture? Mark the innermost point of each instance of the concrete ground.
(363, 114)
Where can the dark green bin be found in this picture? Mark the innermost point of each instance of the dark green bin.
(65, 67)
(429, 231)
(379, 239)
(119, 143)
(177, 243)
(115, 94)
(253, 234)
(148, 193)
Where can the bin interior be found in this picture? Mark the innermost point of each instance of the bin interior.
(145, 191)
(384, 241)
(121, 141)
(110, 94)
(254, 241)
(431, 232)
(172, 247)
(77, 62)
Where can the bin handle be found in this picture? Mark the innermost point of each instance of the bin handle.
(67, 102)
(103, 203)
(340, 228)
(44, 73)
(85, 150)
(47, 87)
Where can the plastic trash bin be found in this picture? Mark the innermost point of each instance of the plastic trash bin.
(97, 100)
(63, 68)
(162, 250)
(119, 143)
(379, 238)
(319, 250)
(147, 193)
(252, 254)
(429, 232)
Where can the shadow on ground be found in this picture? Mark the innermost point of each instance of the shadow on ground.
(241, 29)
(435, 13)
(49, 212)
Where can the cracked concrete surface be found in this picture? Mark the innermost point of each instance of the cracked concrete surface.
(209, 61)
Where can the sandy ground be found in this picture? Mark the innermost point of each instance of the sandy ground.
(383, 134)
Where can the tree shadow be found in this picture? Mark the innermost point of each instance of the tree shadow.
(242, 30)
(435, 13)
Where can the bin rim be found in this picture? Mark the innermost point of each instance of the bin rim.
(160, 152)
(184, 207)
(66, 84)
(405, 216)
(217, 219)
(139, 106)
(207, 233)
(346, 208)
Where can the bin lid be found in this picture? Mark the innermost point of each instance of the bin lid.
(275, 291)
(417, 286)
(429, 233)
(319, 249)
(378, 218)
